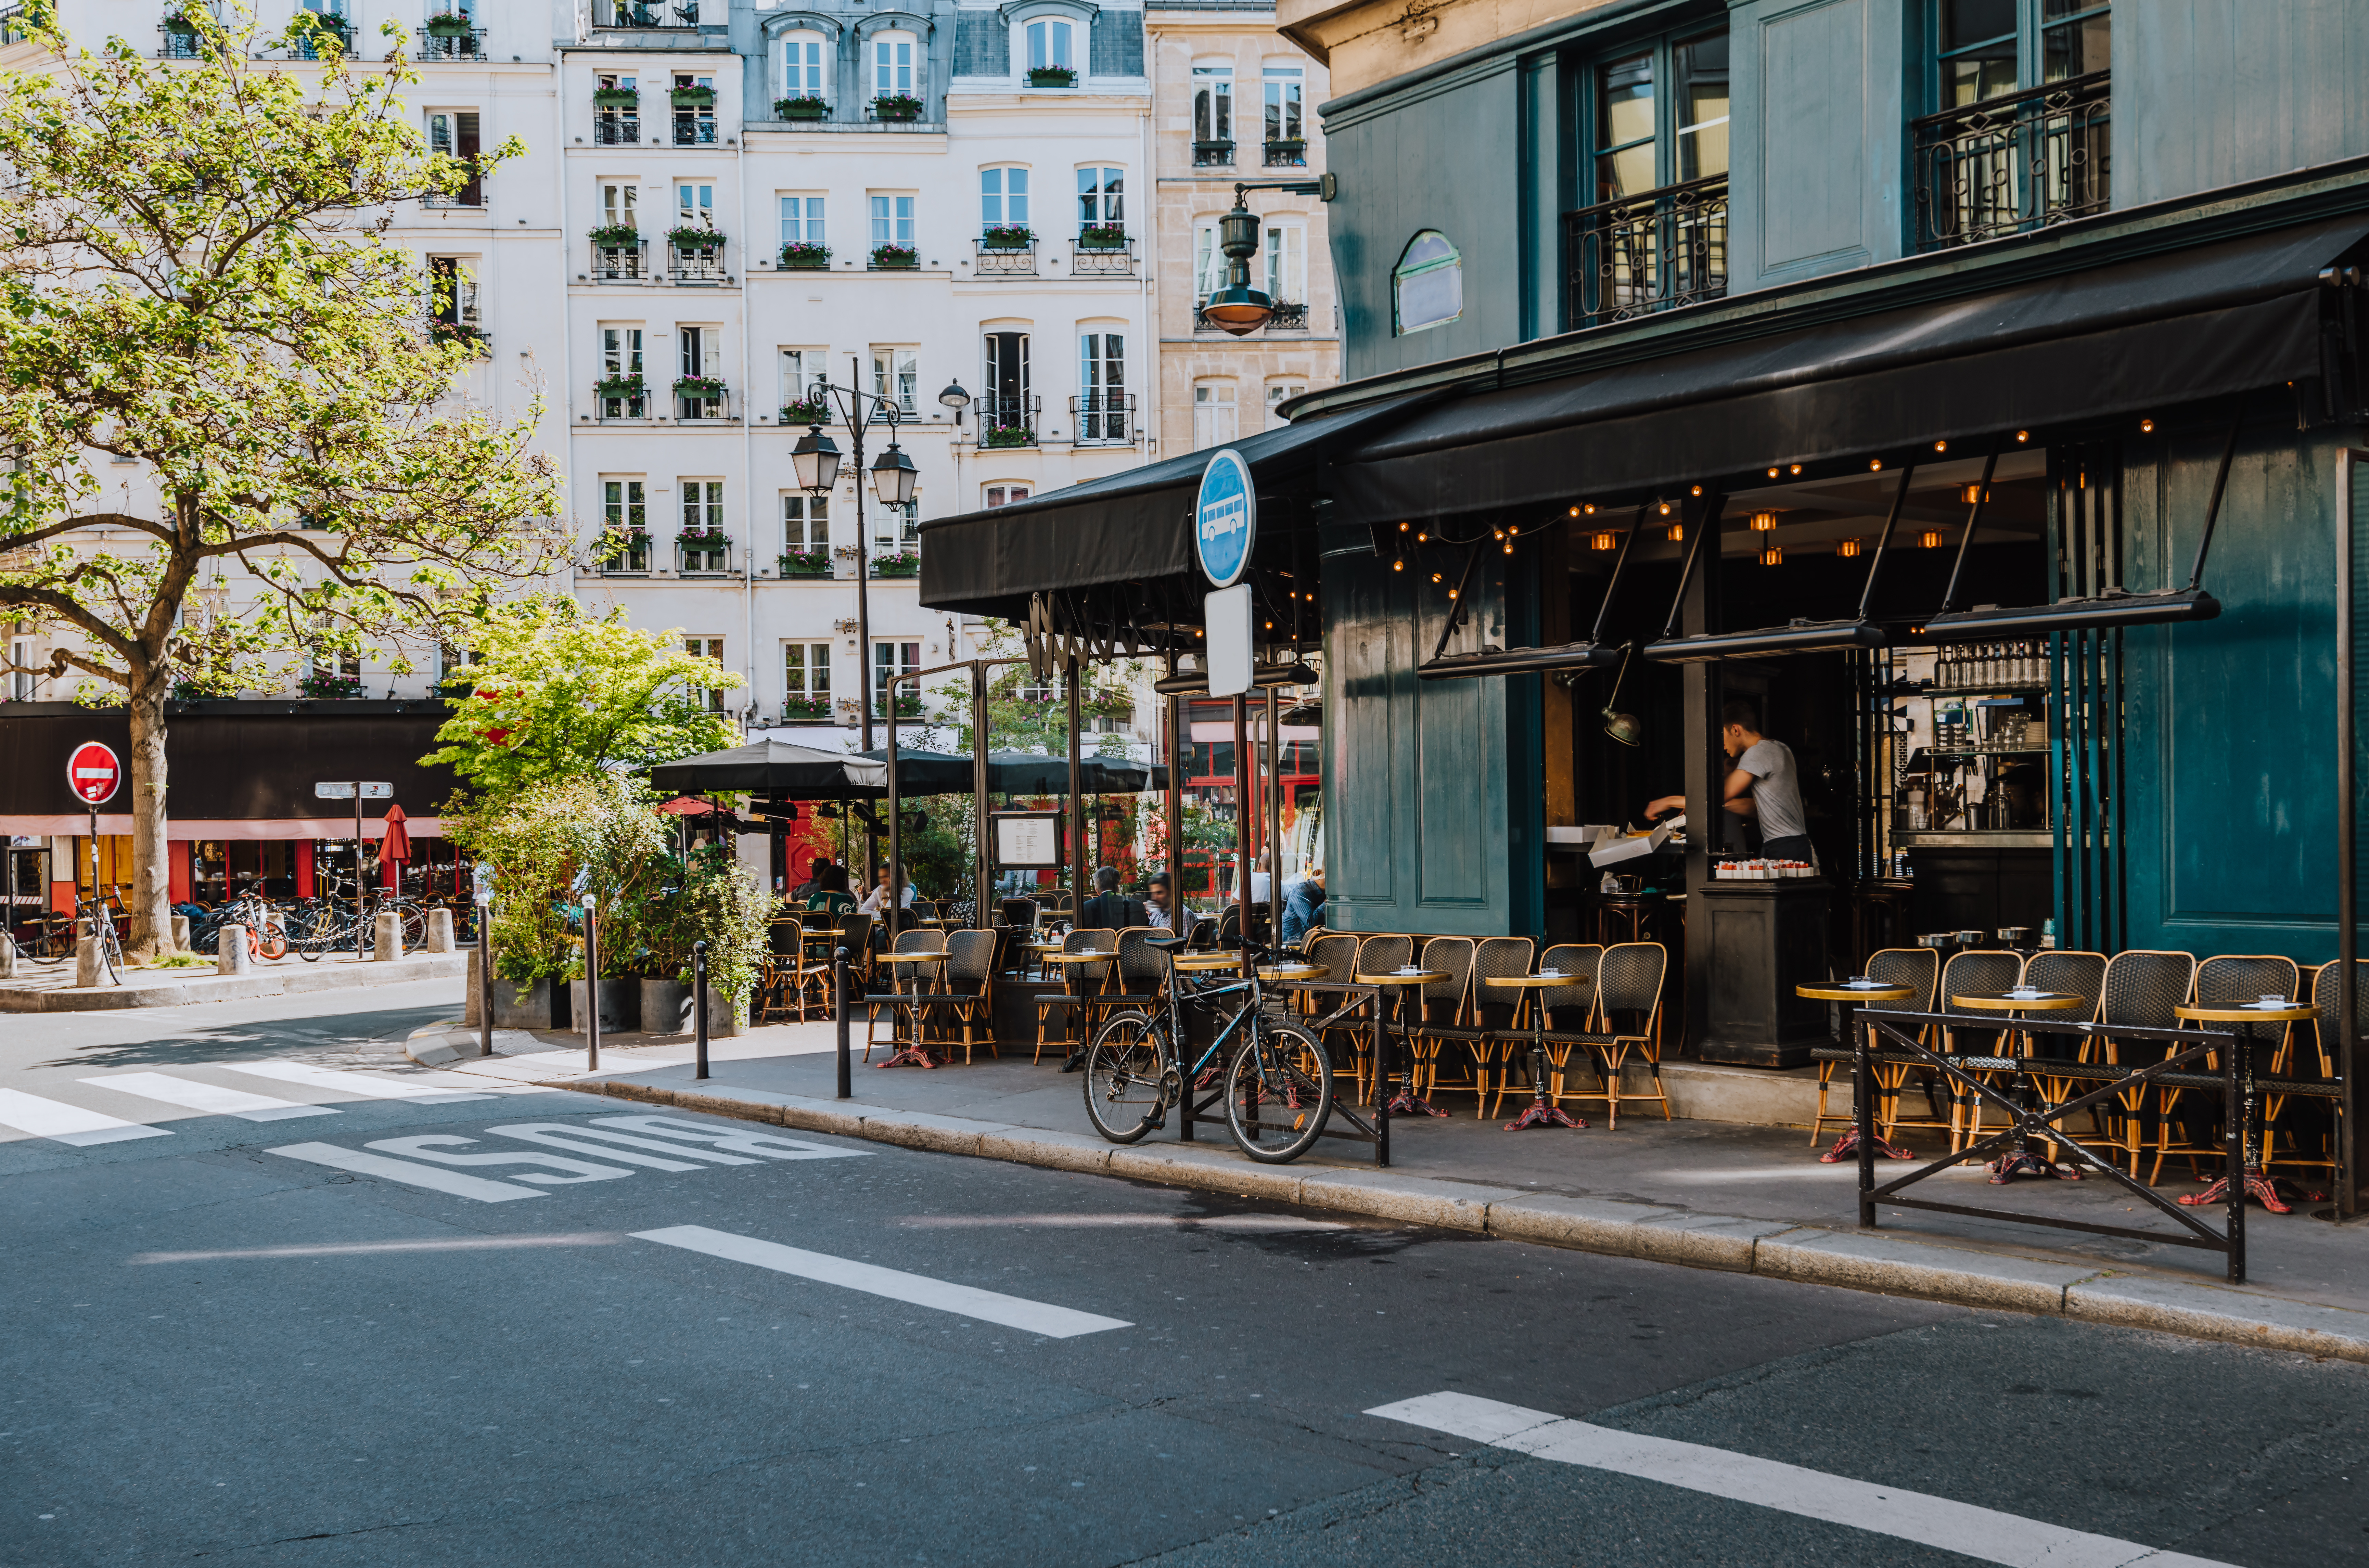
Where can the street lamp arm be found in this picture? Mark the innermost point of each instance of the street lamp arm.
(1324, 186)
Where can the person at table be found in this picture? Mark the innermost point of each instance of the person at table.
(1303, 907)
(814, 882)
(1764, 786)
(831, 895)
(876, 901)
(1108, 909)
(1159, 902)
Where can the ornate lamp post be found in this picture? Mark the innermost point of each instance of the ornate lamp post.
(817, 459)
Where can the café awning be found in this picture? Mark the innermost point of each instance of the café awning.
(2120, 338)
(777, 767)
(1134, 527)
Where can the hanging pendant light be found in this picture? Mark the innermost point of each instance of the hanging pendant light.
(1932, 540)
(1773, 556)
(1847, 548)
(1763, 522)
(1603, 539)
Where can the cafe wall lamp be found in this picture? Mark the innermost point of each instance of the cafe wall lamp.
(1932, 539)
(1772, 556)
(1847, 548)
(1763, 522)
(1603, 539)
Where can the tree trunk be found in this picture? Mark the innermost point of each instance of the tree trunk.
(149, 899)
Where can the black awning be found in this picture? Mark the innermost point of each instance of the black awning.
(1134, 527)
(779, 768)
(2142, 334)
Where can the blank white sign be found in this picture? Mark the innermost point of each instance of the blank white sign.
(1027, 840)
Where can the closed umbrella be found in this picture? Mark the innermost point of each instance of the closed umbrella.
(394, 847)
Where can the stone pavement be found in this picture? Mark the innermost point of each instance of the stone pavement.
(1699, 1193)
(49, 987)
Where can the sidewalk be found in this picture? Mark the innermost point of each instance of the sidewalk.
(49, 987)
(1704, 1193)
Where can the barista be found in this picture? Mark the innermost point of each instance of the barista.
(1763, 786)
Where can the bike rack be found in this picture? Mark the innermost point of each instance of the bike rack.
(1376, 1132)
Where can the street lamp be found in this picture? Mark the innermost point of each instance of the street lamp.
(1238, 308)
(893, 478)
(816, 459)
(955, 398)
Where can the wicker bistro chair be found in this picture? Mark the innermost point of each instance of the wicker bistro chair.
(1444, 1005)
(906, 984)
(1379, 955)
(1919, 968)
(2142, 987)
(2077, 974)
(1141, 972)
(778, 990)
(2311, 1058)
(1628, 986)
(1337, 955)
(1487, 1010)
(1568, 1013)
(969, 995)
(2185, 1123)
(1080, 982)
(855, 935)
(1966, 973)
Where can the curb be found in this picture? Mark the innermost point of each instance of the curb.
(237, 988)
(1852, 1260)
(437, 1045)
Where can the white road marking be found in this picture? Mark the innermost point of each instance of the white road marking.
(527, 1129)
(570, 1064)
(67, 1124)
(404, 1171)
(432, 1147)
(554, 1135)
(347, 1249)
(920, 1290)
(363, 1085)
(1985, 1534)
(734, 1140)
(208, 1098)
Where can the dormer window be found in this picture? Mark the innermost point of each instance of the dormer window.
(1052, 59)
(893, 72)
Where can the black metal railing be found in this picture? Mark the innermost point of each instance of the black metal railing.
(620, 263)
(467, 45)
(641, 14)
(1656, 250)
(1102, 260)
(693, 130)
(1213, 154)
(617, 130)
(1286, 153)
(180, 42)
(1005, 421)
(1104, 419)
(2022, 161)
(703, 554)
(1003, 261)
(703, 266)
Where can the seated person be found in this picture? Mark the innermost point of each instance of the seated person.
(831, 895)
(1303, 907)
(1107, 910)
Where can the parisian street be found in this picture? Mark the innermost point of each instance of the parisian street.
(277, 1296)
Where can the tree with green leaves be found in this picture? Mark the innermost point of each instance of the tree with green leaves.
(557, 696)
(198, 282)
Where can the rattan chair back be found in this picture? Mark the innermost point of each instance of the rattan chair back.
(1919, 968)
(1088, 939)
(2232, 977)
(970, 960)
(1018, 912)
(1499, 958)
(1381, 955)
(1570, 1006)
(2142, 987)
(1338, 954)
(1443, 1001)
(2073, 974)
(1142, 965)
(1972, 973)
(1629, 978)
(923, 940)
(2327, 987)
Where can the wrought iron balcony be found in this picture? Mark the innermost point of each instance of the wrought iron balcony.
(1104, 419)
(699, 267)
(1213, 154)
(1005, 421)
(469, 44)
(703, 554)
(617, 130)
(1102, 260)
(181, 40)
(682, 15)
(1286, 151)
(693, 130)
(1004, 260)
(1656, 250)
(620, 263)
(2022, 161)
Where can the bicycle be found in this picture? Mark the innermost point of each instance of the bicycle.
(1135, 1071)
(266, 925)
(330, 923)
(100, 911)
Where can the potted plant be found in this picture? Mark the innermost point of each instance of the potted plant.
(692, 98)
(896, 107)
(894, 255)
(618, 386)
(1011, 435)
(806, 563)
(616, 97)
(807, 107)
(1290, 147)
(450, 24)
(615, 236)
(903, 565)
(1052, 77)
(1007, 236)
(706, 387)
(814, 411)
(321, 683)
(812, 709)
(693, 236)
(178, 22)
(1103, 236)
(802, 254)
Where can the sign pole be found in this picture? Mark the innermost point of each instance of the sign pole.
(361, 938)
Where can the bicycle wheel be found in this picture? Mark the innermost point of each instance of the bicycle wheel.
(1123, 1074)
(1278, 1093)
(268, 938)
(314, 936)
(415, 926)
(110, 954)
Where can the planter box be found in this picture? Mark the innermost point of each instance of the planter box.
(898, 110)
(450, 27)
(692, 98)
(897, 262)
(541, 1005)
(818, 257)
(616, 97)
(1053, 77)
(621, 1007)
(665, 1007)
(1098, 239)
(1008, 241)
(793, 108)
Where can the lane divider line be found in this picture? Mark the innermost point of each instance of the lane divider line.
(434, 1178)
(61, 1123)
(915, 1289)
(1984, 1534)
(209, 1099)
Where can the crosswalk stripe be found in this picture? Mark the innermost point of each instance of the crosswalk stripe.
(212, 1099)
(344, 1082)
(1984, 1534)
(67, 1124)
(920, 1290)
(430, 1176)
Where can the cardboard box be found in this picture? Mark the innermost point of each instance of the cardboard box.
(1612, 851)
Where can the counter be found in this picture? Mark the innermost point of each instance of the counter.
(1765, 938)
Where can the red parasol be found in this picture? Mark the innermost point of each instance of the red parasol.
(394, 847)
(684, 805)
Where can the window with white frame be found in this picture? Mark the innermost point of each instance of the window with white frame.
(620, 203)
(695, 203)
(702, 525)
(1285, 254)
(1281, 86)
(1102, 386)
(801, 368)
(453, 134)
(708, 647)
(700, 388)
(897, 375)
(805, 527)
(1099, 198)
(621, 390)
(625, 517)
(892, 222)
(1003, 495)
(1049, 42)
(1213, 413)
(1209, 260)
(805, 65)
(806, 680)
(694, 121)
(896, 658)
(893, 62)
(1213, 109)
(617, 110)
(896, 531)
(1278, 392)
(802, 220)
(1003, 198)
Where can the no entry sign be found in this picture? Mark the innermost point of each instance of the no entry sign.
(93, 774)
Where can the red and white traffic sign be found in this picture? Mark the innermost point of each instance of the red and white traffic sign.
(93, 774)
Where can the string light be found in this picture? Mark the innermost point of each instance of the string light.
(1574, 512)
(1847, 548)
(1874, 464)
(2146, 427)
(1665, 508)
(1602, 540)
(1588, 509)
(1435, 577)
(1772, 474)
(1772, 556)
(1932, 539)
(2023, 435)
(1677, 531)
(1797, 468)
(1762, 522)
(1941, 446)
(1699, 489)
(1397, 566)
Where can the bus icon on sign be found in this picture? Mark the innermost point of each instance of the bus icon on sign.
(1225, 519)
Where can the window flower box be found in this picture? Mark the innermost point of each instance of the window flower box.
(1292, 145)
(815, 413)
(1103, 236)
(320, 683)
(902, 107)
(693, 237)
(692, 98)
(905, 565)
(806, 255)
(614, 237)
(616, 97)
(706, 387)
(1011, 435)
(894, 257)
(816, 709)
(1007, 236)
(806, 563)
(1052, 77)
(450, 24)
(618, 386)
(178, 23)
(802, 108)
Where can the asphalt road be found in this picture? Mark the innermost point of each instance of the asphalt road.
(608, 1336)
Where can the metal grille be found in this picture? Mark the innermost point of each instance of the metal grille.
(1102, 261)
(1916, 967)
(1104, 419)
(2022, 161)
(1654, 251)
(1573, 958)
(991, 261)
(1630, 978)
(614, 131)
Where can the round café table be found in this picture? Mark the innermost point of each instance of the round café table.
(1529, 1004)
(1408, 1103)
(1054, 958)
(2023, 1160)
(2260, 1184)
(1851, 995)
(910, 1051)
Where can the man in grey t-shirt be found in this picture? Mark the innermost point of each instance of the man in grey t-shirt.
(1762, 785)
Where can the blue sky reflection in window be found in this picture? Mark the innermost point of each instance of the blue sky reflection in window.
(1428, 283)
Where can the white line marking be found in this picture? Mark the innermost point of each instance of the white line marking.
(428, 1148)
(361, 1085)
(404, 1171)
(210, 1098)
(737, 1139)
(346, 1249)
(67, 1124)
(920, 1290)
(560, 1135)
(1985, 1534)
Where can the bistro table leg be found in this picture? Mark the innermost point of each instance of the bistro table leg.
(1847, 1145)
(2260, 1184)
(1540, 1113)
(2023, 1160)
(912, 1050)
(1409, 1103)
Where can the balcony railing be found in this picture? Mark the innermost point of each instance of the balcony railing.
(632, 560)
(466, 45)
(1290, 315)
(699, 267)
(617, 130)
(620, 263)
(622, 397)
(691, 130)
(704, 554)
(692, 404)
(1286, 153)
(181, 41)
(1007, 421)
(1102, 260)
(643, 14)
(1656, 250)
(1104, 419)
(1003, 260)
(1213, 154)
(2009, 163)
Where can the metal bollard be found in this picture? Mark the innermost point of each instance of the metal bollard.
(591, 986)
(484, 975)
(839, 990)
(698, 1008)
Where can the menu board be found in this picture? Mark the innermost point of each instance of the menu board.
(1028, 838)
